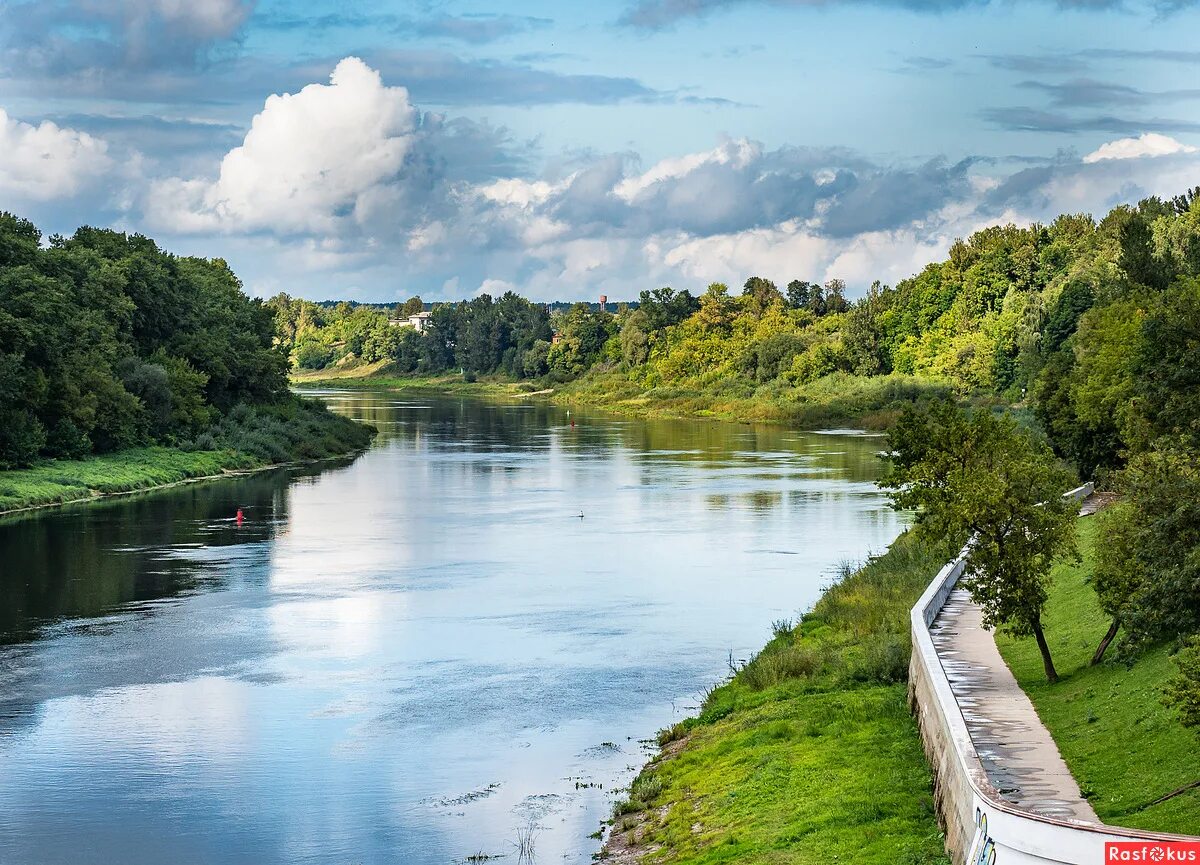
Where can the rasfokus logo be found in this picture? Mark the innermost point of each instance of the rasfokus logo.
(1152, 851)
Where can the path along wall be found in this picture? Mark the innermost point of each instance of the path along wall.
(981, 827)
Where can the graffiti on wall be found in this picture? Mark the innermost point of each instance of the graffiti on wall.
(983, 849)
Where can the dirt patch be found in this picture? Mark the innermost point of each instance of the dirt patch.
(627, 843)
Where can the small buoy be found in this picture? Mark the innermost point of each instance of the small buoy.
(240, 518)
(581, 515)
(572, 423)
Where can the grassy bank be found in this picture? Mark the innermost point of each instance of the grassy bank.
(839, 398)
(809, 753)
(247, 438)
(867, 402)
(1123, 745)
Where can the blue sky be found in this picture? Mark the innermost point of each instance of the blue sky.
(564, 150)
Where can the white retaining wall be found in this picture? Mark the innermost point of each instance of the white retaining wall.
(981, 827)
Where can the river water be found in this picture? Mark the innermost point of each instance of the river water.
(411, 657)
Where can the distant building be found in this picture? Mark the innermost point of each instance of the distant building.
(418, 322)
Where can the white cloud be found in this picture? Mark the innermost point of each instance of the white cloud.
(738, 153)
(313, 162)
(1149, 144)
(47, 161)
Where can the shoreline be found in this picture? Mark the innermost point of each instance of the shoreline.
(93, 495)
(872, 412)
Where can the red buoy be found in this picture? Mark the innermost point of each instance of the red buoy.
(240, 519)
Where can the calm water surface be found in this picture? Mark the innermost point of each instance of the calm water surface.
(406, 658)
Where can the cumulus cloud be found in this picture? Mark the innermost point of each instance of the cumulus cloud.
(47, 161)
(1147, 144)
(311, 161)
(349, 181)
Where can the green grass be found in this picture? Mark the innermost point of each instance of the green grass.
(378, 378)
(870, 402)
(809, 754)
(1123, 745)
(248, 437)
(63, 481)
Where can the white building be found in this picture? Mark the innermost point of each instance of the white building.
(417, 322)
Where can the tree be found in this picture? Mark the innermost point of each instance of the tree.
(665, 307)
(717, 308)
(816, 300)
(412, 306)
(798, 292)
(984, 478)
(1119, 572)
(863, 334)
(1167, 371)
(635, 340)
(762, 293)
(1162, 549)
(1183, 690)
(835, 296)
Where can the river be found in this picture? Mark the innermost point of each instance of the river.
(409, 657)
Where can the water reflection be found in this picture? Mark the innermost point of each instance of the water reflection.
(407, 657)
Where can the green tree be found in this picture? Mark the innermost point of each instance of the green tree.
(1183, 689)
(1119, 572)
(835, 297)
(635, 338)
(1162, 487)
(762, 294)
(798, 293)
(984, 478)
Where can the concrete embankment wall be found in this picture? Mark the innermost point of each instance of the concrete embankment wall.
(981, 827)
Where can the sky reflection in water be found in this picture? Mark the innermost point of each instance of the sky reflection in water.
(407, 657)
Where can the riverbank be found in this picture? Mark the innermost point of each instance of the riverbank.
(1125, 748)
(835, 400)
(838, 399)
(377, 377)
(809, 753)
(249, 439)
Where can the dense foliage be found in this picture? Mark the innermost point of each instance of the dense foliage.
(107, 343)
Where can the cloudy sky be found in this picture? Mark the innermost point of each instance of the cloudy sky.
(372, 150)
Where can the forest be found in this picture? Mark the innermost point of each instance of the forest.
(109, 343)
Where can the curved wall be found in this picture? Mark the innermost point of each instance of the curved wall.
(981, 827)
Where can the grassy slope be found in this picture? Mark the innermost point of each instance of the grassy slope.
(866, 402)
(63, 481)
(371, 376)
(1124, 747)
(249, 437)
(809, 755)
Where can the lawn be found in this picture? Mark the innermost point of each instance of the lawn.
(1123, 745)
